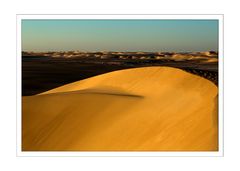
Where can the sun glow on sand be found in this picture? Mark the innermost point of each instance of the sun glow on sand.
(141, 109)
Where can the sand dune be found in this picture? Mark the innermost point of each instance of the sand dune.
(204, 57)
(141, 109)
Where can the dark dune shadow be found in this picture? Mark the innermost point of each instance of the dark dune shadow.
(110, 92)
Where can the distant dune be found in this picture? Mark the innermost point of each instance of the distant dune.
(172, 56)
(141, 109)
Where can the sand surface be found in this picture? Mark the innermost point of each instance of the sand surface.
(141, 109)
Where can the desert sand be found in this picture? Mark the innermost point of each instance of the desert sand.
(140, 109)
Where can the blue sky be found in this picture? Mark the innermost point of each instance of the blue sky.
(120, 35)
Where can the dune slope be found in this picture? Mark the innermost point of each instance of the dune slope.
(141, 109)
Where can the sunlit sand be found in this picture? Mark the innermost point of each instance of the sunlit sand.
(141, 109)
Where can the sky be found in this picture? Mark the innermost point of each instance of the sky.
(119, 35)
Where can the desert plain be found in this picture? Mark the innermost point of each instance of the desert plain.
(116, 101)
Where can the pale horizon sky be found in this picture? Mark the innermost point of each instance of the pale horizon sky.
(120, 35)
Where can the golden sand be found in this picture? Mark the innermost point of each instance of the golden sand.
(141, 109)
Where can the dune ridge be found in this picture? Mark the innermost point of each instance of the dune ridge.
(140, 109)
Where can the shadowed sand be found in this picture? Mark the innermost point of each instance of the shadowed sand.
(141, 109)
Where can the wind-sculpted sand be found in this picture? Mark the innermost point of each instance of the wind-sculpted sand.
(141, 109)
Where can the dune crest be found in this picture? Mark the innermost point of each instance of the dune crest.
(141, 109)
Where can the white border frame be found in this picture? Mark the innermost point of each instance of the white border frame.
(219, 17)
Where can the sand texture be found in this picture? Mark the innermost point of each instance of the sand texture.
(141, 109)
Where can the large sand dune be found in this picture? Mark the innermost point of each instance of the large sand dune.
(141, 109)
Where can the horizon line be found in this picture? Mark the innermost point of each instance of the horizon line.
(111, 51)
